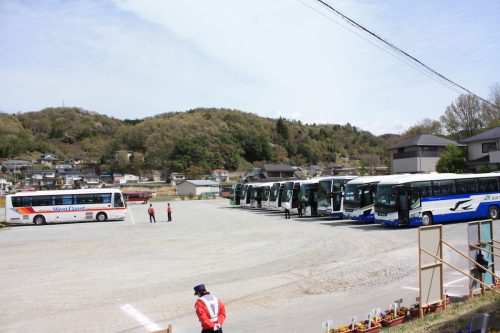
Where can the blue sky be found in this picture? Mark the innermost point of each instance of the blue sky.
(138, 58)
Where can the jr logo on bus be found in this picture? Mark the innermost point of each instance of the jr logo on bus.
(459, 203)
(69, 208)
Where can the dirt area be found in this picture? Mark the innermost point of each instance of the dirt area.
(274, 275)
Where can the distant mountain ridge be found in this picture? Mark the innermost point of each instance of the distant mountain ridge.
(200, 140)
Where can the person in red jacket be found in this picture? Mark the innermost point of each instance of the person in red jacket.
(211, 311)
(151, 212)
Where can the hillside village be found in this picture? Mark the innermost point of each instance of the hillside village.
(415, 155)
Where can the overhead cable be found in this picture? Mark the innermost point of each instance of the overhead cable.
(415, 63)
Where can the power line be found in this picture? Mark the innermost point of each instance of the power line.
(396, 49)
(388, 51)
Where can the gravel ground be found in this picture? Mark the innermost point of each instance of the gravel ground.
(274, 275)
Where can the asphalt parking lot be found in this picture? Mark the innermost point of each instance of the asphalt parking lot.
(274, 275)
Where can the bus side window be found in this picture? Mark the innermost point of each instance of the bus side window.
(118, 201)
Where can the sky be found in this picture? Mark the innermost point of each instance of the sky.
(282, 58)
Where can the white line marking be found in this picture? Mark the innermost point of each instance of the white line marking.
(131, 216)
(410, 288)
(145, 321)
(455, 281)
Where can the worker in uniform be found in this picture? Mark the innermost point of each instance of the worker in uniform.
(210, 310)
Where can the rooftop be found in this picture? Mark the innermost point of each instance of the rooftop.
(493, 133)
(200, 182)
(426, 140)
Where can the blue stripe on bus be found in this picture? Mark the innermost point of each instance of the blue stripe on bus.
(482, 211)
(364, 218)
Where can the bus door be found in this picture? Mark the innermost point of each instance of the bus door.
(313, 201)
(295, 195)
(248, 194)
(403, 199)
(281, 192)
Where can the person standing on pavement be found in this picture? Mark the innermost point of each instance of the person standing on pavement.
(211, 311)
(169, 212)
(151, 212)
(286, 205)
(300, 208)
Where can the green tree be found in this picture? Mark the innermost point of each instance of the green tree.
(425, 126)
(453, 159)
(282, 129)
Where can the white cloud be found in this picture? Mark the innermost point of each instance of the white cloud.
(132, 58)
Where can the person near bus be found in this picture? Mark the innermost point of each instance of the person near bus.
(286, 205)
(210, 310)
(169, 212)
(151, 212)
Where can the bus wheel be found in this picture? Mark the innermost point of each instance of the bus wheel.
(426, 219)
(101, 217)
(493, 212)
(39, 219)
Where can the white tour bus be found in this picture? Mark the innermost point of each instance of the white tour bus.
(330, 195)
(308, 196)
(245, 195)
(276, 195)
(291, 195)
(266, 195)
(359, 197)
(259, 195)
(423, 199)
(65, 206)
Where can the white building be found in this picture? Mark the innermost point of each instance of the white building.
(198, 187)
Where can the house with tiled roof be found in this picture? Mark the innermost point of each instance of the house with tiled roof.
(419, 153)
(484, 149)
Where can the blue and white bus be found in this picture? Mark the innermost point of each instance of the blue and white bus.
(330, 195)
(359, 197)
(424, 199)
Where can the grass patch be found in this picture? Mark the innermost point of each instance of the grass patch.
(457, 315)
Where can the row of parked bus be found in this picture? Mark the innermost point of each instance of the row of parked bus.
(395, 200)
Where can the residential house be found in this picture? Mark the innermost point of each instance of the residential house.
(106, 178)
(177, 178)
(197, 187)
(484, 149)
(42, 180)
(17, 166)
(273, 171)
(129, 179)
(314, 170)
(118, 178)
(219, 176)
(91, 181)
(419, 153)
(48, 160)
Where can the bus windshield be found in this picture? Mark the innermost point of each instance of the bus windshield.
(386, 197)
(353, 195)
(324, 190)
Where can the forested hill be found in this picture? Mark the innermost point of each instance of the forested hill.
(201, 139)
